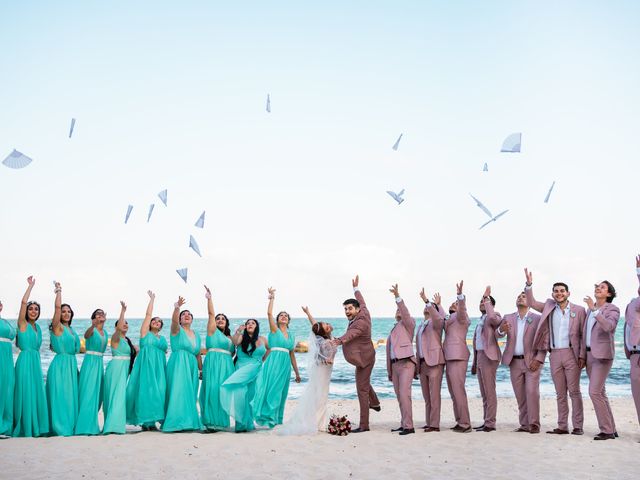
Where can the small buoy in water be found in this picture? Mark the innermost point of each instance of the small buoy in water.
(302, 347)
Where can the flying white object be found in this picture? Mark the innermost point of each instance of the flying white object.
(482, 207)
(485, 168)
(397, 196)
(493, 219)
(194, 245)
(512, 143)
(183, 273)
(395, 145)
(200, 222)
(151, 207)
(546, 199)
(268, 103)
(126, 218)
(16, 160)
(163, 196)
(73, 124)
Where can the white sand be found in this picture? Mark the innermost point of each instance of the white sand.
(376, 454)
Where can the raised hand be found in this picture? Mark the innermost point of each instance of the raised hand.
(152, 295)
(424, 296)
(487, 291)
(529, 276)
(207, 293)
(306, 310)
(181, 301)
(56, 287)
(459, 287)
(355, 281)
(589, 301)
(637, 261)
(123, 306)
(272, 293)
(437, 299)
(31, 280)
(394, 290)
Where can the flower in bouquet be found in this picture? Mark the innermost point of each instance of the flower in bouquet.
(339, 425)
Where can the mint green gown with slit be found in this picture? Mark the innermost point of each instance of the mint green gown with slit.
(91, 384)
(7, 376)
(272, 385)
(182, 384)
(147, 387)
(217, 367)
(238, 390)
(62, 382)
(30, 412)
(114, 404)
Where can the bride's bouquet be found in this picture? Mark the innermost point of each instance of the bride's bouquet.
(339, 425)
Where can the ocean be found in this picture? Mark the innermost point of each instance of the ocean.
(343, 380)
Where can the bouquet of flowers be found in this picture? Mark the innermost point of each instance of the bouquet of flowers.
(339, 425)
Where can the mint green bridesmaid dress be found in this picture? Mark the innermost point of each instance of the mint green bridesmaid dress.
(272, 385)
(91, 384)
(238, 390)
(218, 366)
(147, 387)
(114, 405)
(62, 382)
(30, 413)
(7, 376)
(182, 384)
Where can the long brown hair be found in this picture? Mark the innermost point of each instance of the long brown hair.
(319, 331)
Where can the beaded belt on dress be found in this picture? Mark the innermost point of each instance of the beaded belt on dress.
(121, 357)
(279, 349)
(2, 339)
(91, 352)
(219, 350)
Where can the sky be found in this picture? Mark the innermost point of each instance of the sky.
(172, 95)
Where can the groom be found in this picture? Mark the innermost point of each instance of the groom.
(358, 350)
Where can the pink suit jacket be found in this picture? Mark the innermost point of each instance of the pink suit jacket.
(577, 317)
(401, 337)
(602, 333)
(431, 339)
(632, 318)
(456, 328)
(357, 347)
(491, 322)
(530, 326)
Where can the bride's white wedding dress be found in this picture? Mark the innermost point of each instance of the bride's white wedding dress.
(310, 414)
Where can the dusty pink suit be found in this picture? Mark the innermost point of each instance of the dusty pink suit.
(526, 384)
(486, 362)
(456, 355)
(565, 371)
(358, 350)
(431, 365)
(402, 367)
(599, 361)
(632, 347)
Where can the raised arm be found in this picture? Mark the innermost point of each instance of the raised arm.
(608, 320)
(462, 315)
(144, 328)
(493, 317)
(211, 323)
(437, 317)
(357, 293)
(22, 316)
(272, 323)
(405, 317)
(312, 320)
(175, 318)
(56, 325)
(115, 338)
(89, 332)
(236, 338)
(528, 291)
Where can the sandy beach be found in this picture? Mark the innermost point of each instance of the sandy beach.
(376, 454)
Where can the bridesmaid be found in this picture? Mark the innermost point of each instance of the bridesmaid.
(218, 366)
(30, 415)
(7, 376)
(182, 374)
(62, 377)
(237, 392)
(90, 385)
(272, 385)
(147, 386)
(115, 377)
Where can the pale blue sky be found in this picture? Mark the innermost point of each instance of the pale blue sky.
(172, 95)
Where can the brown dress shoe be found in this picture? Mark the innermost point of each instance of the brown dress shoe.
(577, 431)
(431, 429)
(522, 429)
(488, 429)
(558, 431)
(605, 436)
(534, 429)
(459, 429)
(454, 427)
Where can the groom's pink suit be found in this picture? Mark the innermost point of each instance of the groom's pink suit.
(632, 346)
(358, 350)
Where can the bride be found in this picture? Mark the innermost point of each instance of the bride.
(310, 414)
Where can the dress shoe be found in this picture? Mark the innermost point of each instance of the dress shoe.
(377, 408)
(558, 431)
(488, 429)
(522, 429)
(481, 427)
(359, 430)
(425, 427)
(615, 434)
(605, 436)
(399, 429)
(454, 427)
(459, 429)
(431, 429)
(577, 431)
(534, 429)
(407, 431)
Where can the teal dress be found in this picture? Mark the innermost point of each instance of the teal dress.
(30, 414)
(91, 384)
(182, 384)
(218, 366)
(7, 377)
(147, 386)
(238, 390)
(114, 405)
(62, 383)
(272, 385)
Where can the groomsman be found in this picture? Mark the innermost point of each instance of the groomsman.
(632, 342)
(560, 331)
(456, 355)
(358, 351)
(524, 362)
(486, 358)
(431, 360)
(598, 351)
(401, 362)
